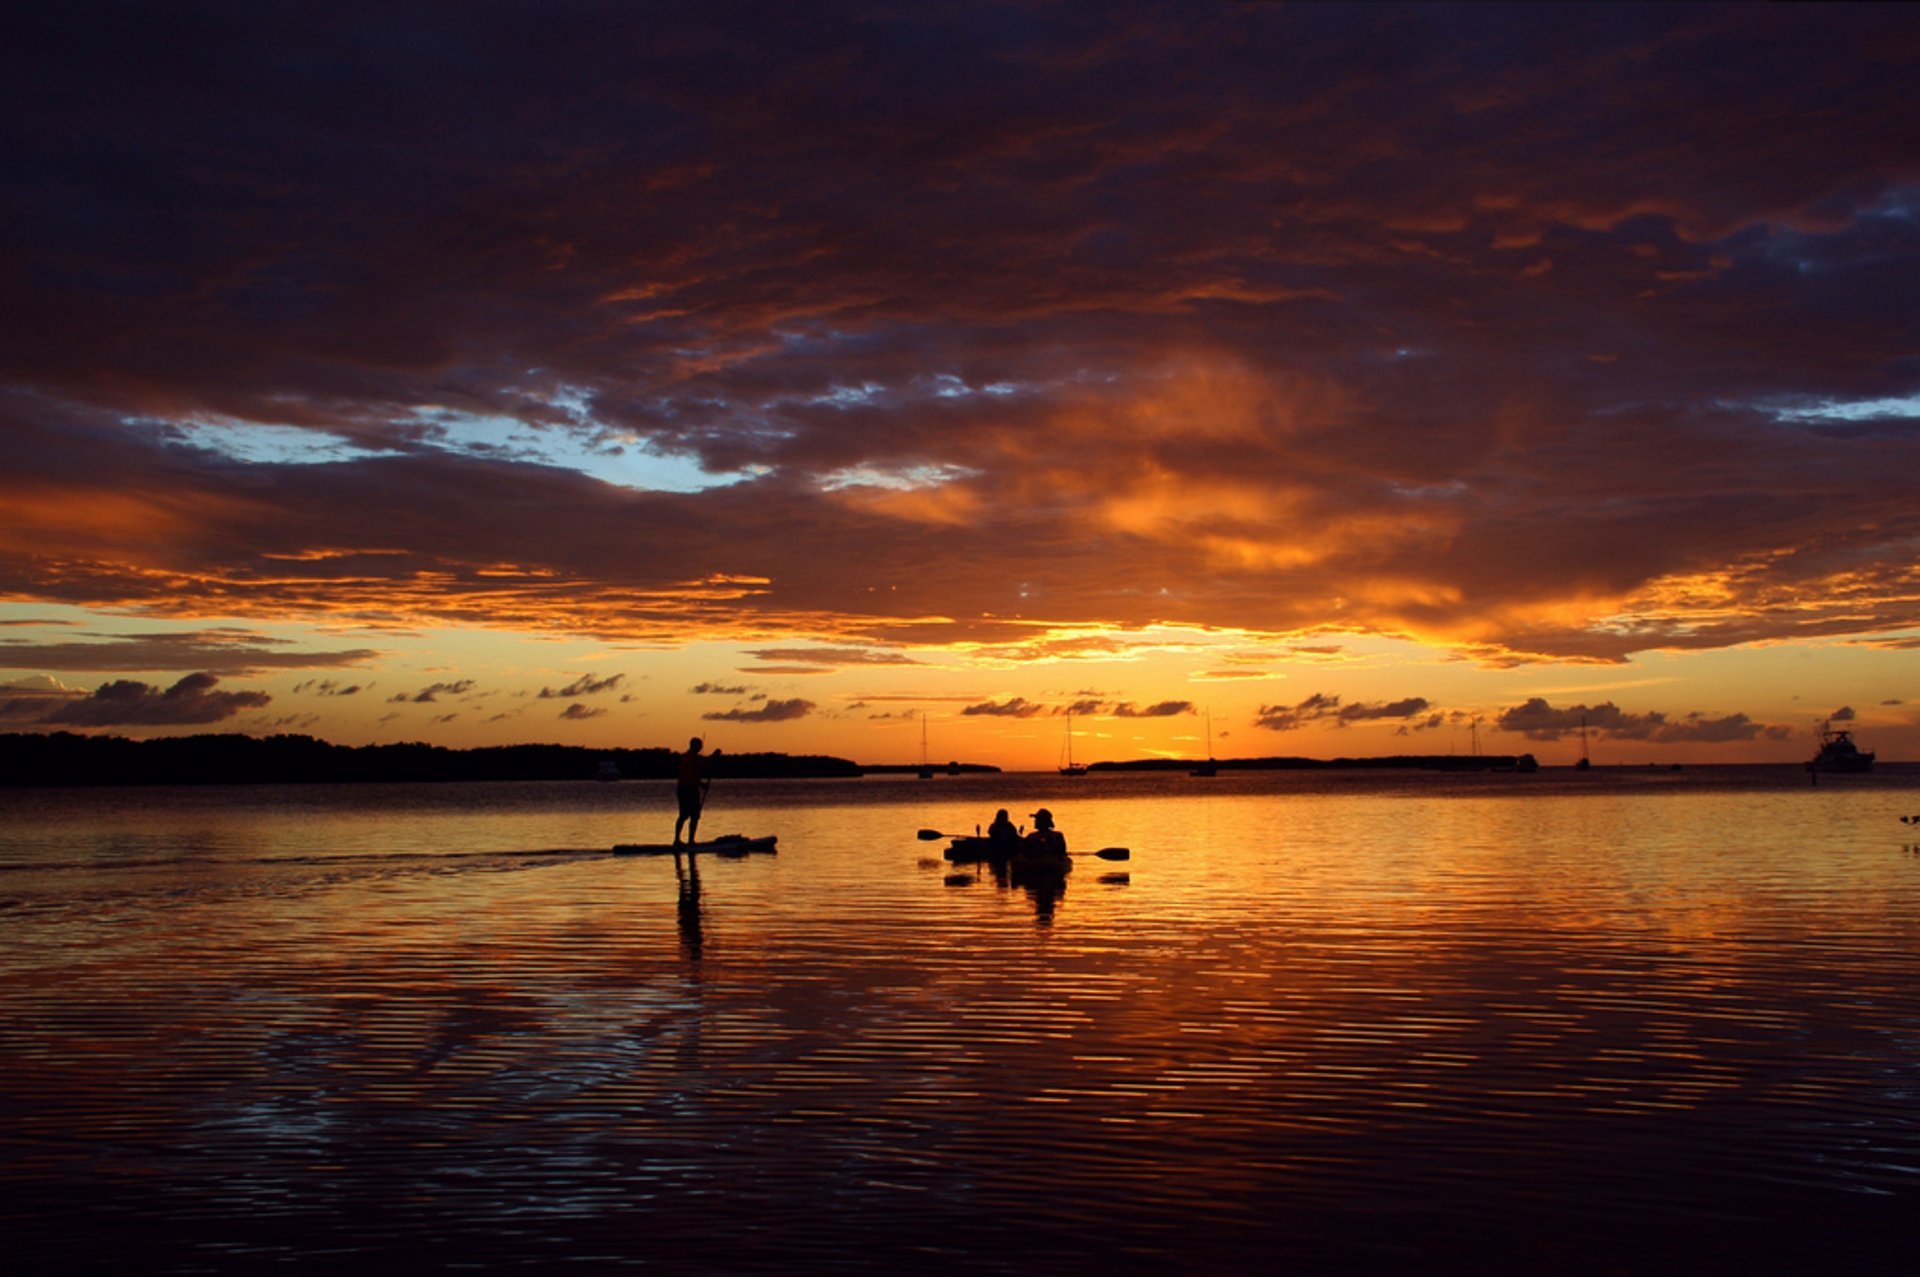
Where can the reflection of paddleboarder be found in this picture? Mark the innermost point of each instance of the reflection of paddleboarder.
(689, 908)
(690, 787)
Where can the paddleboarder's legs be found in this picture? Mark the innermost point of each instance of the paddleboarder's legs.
(690, 796)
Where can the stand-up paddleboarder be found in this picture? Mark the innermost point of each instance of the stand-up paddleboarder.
(690, 787)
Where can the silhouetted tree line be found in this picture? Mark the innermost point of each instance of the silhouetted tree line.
(1422, 762)
(64, 758)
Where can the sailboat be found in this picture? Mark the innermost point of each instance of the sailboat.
(926, 768)
(1585, 761)
(1210, 767)
(1072, 768)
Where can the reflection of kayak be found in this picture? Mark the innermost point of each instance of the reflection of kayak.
(724, 845)
(1030, 867)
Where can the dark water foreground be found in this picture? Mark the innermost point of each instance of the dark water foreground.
(1418, 1026)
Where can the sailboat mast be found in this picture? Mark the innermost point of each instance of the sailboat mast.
(1071, 768)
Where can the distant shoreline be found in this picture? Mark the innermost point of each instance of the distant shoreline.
(70, 759)
(67, 759)
(1418, 762)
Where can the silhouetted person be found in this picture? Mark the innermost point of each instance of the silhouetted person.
(1045, 840)
(690, 787)
(1001, 834)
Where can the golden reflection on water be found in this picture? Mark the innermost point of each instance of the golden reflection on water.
(1383, 1027)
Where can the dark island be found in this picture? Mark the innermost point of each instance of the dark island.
(67, 758)
(64, 758)
(914, 769)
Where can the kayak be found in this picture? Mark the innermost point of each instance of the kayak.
(973, 849)
(977, 850)
(724, 845)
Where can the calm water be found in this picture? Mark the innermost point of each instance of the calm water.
(1618, 1023)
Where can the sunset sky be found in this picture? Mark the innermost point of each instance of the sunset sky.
(1343, 376)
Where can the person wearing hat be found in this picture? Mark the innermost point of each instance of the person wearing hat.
(1045, 840)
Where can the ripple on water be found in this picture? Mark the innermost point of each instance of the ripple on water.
(1383, 1030)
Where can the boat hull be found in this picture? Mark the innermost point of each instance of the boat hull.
(977, 851)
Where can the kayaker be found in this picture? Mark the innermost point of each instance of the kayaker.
(690, 787)
(1045, 840)
(1002, 835)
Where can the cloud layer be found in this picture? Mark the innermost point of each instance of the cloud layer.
(127, 703)
(1529, 333)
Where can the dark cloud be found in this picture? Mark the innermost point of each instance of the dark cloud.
(716, 689)
(585, 685)
(1537, 720)
(1698, 727)
(127, 702)
(432, 692)
(833, 656)
(1479, 325)
(328, 687)
(1842, 715)
(1163, 709)
(1286, 718)
(577, 711)
(1407, 708)
(292, 723)
(1014, 707)
(771, 712)
(227, 651)
(31, 700)
(1321, 707)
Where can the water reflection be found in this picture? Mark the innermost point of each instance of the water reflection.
(1334, 1031)
(687, 908)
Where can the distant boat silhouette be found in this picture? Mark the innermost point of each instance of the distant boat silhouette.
(609, 770)
(1585, 762)
(926, 768)
(1072, 768)
(1838, 754)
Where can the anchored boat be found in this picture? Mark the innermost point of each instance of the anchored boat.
(1071, 768)
(1838, 754)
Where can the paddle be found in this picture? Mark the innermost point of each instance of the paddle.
(1105, 853)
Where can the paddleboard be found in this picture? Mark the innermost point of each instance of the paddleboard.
(724, 845)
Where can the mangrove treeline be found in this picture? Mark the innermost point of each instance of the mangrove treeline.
(64, 758)
(1418, 762)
